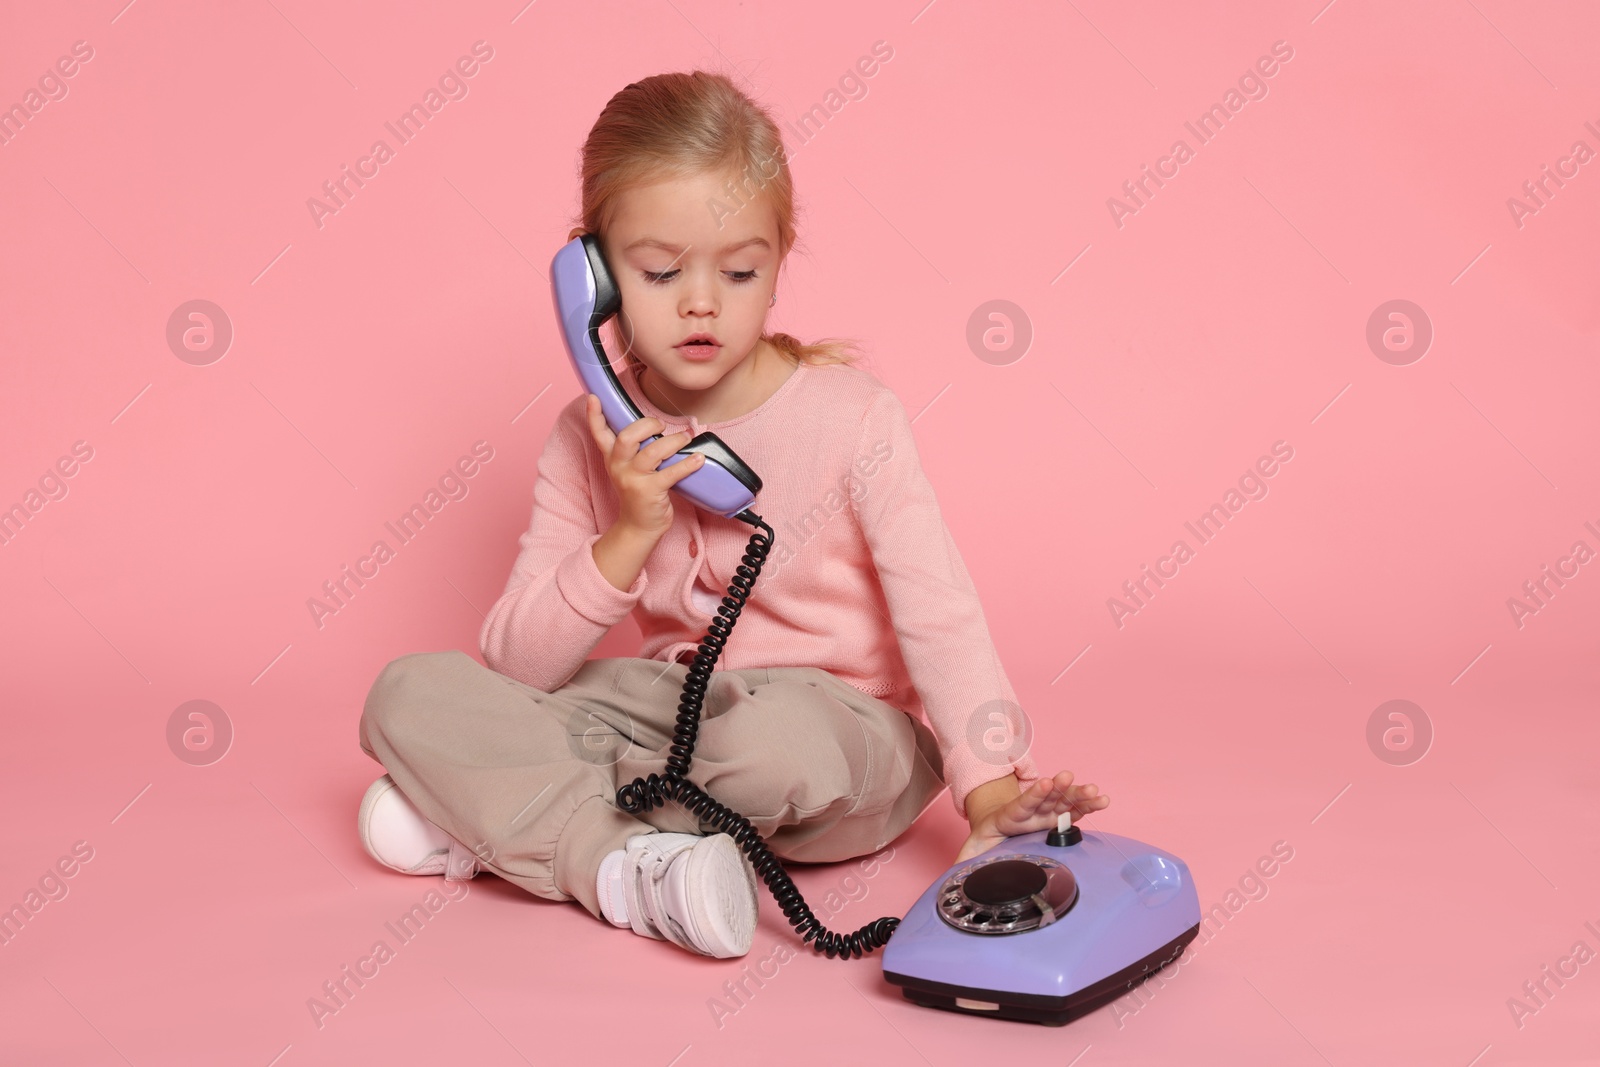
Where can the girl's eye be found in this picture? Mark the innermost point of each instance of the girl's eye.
(663, 277)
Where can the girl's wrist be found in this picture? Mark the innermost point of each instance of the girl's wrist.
(623, 530)
(988, 798)
(620, 552)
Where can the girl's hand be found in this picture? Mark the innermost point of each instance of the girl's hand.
(1030, 811)
(641, 489)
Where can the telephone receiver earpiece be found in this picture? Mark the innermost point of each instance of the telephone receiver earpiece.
(586, 295)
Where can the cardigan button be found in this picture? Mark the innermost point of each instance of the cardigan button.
(694, 549)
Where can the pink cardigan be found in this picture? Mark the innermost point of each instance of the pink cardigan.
(858, 541)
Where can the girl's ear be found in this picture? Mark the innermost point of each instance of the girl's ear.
(577, 232)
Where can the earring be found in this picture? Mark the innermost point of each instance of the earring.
(773, 301)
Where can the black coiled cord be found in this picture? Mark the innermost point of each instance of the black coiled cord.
(643, 794)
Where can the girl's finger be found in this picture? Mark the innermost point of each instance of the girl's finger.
(1036, 796)
(684, 467)
(597, 425)
(651, 456)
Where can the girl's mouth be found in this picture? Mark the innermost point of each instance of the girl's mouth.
(699, 351)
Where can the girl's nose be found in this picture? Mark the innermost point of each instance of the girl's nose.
(700, 296)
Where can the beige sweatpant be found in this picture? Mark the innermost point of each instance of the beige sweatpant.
(528, 780)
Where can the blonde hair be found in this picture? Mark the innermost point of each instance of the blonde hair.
(675, 124)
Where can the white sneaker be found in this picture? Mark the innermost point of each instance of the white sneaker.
(401, 838)
(696, 891)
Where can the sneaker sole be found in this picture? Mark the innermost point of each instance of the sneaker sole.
(369, 800)
(726, 930)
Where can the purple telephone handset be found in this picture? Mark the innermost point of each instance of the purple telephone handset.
(586, 295)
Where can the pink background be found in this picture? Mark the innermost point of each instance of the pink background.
(1228, 313)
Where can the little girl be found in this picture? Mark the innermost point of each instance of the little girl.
(863, 622)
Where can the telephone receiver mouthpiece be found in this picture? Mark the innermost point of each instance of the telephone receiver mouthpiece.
(586, 295)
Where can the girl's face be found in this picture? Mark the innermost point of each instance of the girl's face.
(690, 264)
